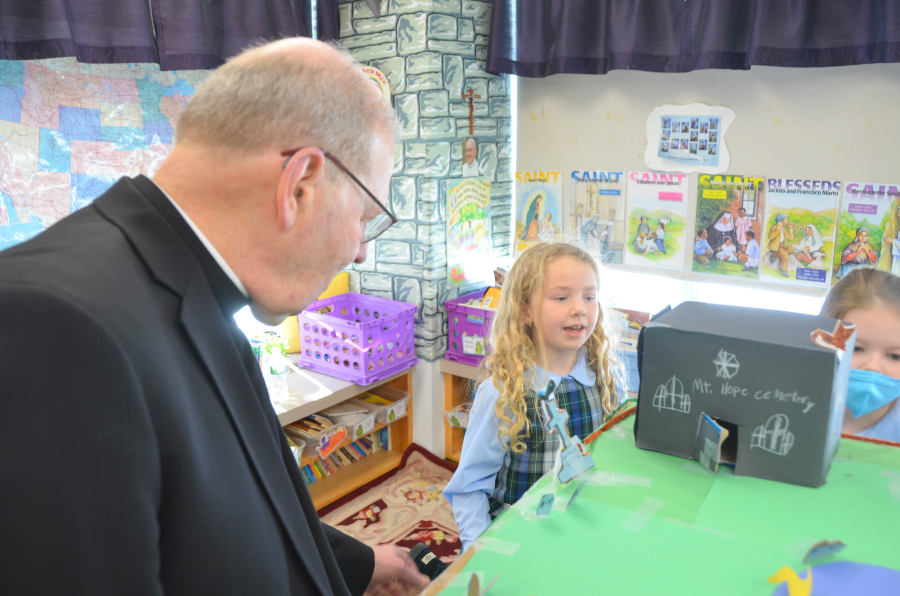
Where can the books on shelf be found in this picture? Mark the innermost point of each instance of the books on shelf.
(345, 455)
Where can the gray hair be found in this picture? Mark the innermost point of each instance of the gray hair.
(263, 99)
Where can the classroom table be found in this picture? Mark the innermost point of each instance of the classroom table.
(651, 523)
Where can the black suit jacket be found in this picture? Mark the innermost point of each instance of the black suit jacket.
(138, 454)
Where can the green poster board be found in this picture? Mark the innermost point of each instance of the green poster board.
(649, 523)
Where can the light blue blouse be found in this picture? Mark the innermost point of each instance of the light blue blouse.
(483, 454)
(887, 429)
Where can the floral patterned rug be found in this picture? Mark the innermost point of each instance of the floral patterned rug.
(403, 507)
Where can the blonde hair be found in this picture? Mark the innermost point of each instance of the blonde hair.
(862, 288)
(267, 98)
(511, 363)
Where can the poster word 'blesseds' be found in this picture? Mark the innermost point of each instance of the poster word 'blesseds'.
(596, 216)
(538, 208)
(800, 228)
(656, 224)
(869, 229)
(468, 230)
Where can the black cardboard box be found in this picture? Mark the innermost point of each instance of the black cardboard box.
(756, 372)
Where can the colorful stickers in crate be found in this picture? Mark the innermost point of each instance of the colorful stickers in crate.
(657, 210)
(469, 326)
(357, 337)
(730, 214)
(798, 246)
(538, 208)
(468, 230)
(596, 214)
(868, 229)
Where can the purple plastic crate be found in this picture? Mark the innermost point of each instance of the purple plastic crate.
(357, 338)
(467, 321)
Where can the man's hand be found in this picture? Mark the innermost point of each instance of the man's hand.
(395, 573)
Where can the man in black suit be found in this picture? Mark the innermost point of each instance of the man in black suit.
(139, 452)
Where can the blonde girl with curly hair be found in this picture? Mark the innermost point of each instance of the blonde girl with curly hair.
(549, 326)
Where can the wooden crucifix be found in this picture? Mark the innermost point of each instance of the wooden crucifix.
(470, 96)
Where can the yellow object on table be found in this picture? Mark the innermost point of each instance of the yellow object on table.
(290, 327)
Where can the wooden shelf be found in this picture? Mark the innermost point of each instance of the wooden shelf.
(466, 371)
(327, 391)
(458, 378)
(310, 392)
(331, 488)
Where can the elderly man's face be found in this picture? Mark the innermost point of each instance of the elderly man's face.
(358, 209)
(326, 237)
(471, 152)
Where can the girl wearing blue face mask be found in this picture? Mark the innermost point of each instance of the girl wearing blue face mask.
(871, 300)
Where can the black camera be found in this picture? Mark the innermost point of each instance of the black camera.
(427, 562)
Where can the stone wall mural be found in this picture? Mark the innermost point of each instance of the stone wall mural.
(432, 52)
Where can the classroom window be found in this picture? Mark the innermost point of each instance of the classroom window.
(749, 204)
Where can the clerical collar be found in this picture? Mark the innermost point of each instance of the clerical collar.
(230, 293)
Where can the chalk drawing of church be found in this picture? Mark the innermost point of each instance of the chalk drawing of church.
(774, 437)
(671, 396)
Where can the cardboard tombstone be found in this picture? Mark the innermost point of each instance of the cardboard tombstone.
(766, 376)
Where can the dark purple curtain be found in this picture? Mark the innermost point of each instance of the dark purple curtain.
(189, 34)
(536, 39)
(328, 20)
(192, 34)
(113, 31)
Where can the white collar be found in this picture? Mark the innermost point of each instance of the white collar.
(212, 249)
(581, 372)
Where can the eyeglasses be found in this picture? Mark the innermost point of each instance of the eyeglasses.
(378, 225)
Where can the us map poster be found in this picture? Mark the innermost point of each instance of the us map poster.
(800, 227)
(730, 213)
(596, 214)
(657, 210)
(538, 208)
(868, 229)
(468, 230)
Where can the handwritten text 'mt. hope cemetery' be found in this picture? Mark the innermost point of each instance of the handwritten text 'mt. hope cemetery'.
(731, 390)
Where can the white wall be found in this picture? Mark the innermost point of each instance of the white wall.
(428, 406)
(829, 123)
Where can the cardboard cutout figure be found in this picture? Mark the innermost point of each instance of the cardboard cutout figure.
(575, 458)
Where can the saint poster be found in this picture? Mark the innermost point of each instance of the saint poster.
(538, 208)
(868, 229)
(730, 212)
(656, 223)
(468, 230)
(798, 246)
(596, 216)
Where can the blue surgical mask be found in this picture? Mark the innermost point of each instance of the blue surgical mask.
(869, 391)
